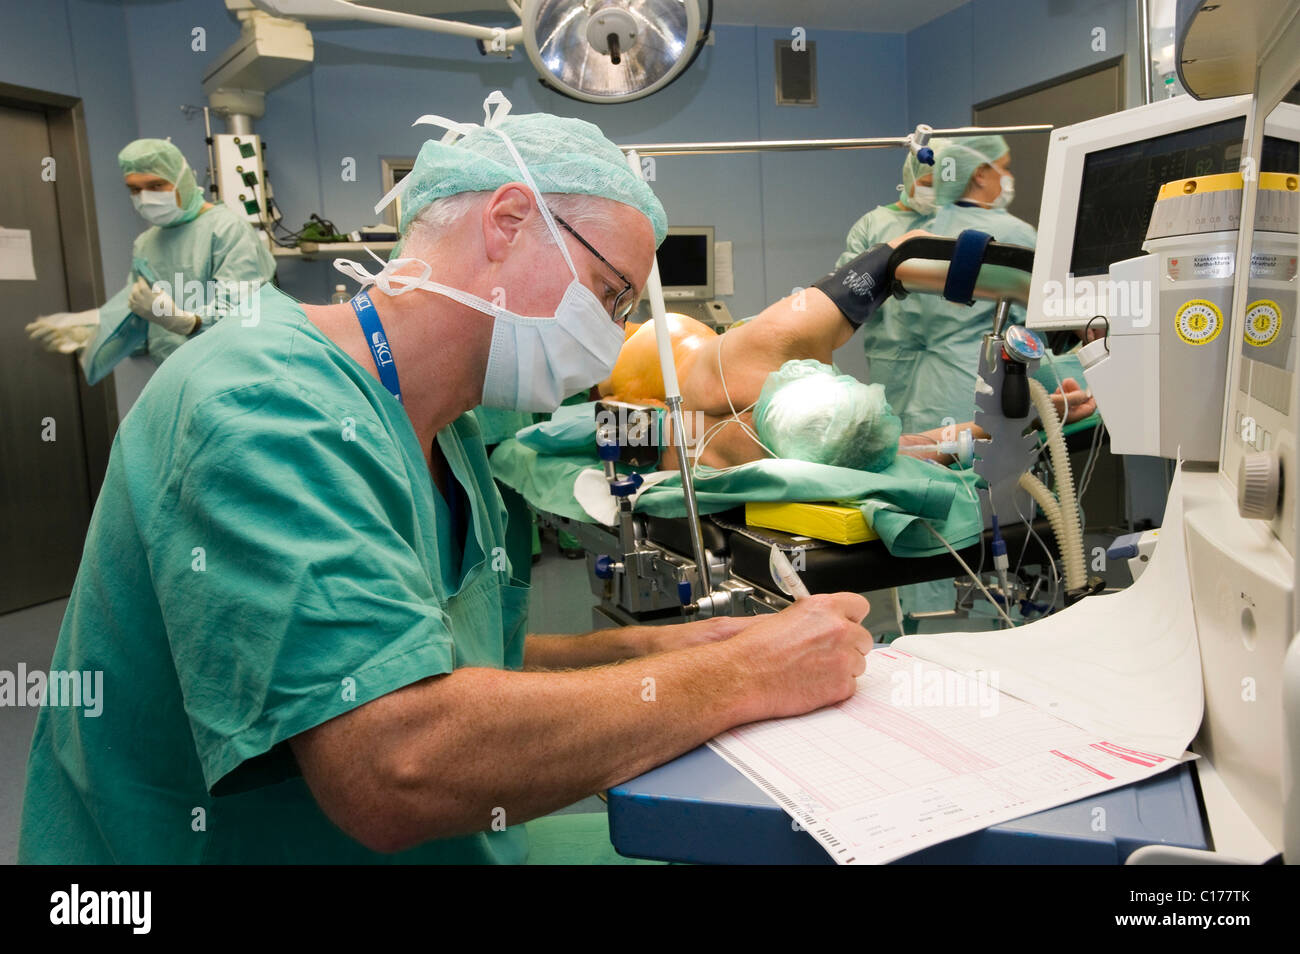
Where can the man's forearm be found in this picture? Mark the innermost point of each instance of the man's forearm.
(552, 737)
(579, 652)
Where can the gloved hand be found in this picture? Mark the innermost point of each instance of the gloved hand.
(157, 306)
(65, 332)
(858, 288)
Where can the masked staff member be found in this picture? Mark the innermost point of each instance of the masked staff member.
(190, 268)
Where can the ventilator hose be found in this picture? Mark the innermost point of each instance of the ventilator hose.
(1046, 501)
(1070, 538)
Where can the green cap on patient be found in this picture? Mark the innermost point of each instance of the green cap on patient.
(158, 157)
(562, 155)
(809, 411)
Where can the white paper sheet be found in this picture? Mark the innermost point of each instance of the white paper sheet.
(1125, 666)
(724, 279)
(16, 263)
(919, 755)
(1098, 696)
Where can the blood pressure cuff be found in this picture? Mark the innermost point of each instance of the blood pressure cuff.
(859, 287)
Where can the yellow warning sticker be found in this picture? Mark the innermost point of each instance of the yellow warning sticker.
(1263, 322)
(1198, 321)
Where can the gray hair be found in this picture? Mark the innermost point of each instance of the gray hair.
(427, 227)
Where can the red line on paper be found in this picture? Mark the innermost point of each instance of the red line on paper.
(1155, 759)
(1084, 765)
(1101, 747)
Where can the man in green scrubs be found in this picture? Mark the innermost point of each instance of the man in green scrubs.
(193, 267)
(295, 582)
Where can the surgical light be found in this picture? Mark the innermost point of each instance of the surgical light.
(613, 51)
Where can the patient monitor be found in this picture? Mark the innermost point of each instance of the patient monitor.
(1173, 227)
(1142, 243)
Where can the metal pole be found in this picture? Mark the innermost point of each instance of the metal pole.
(1144, 38)
(673, 398)
(810, 145)
(212, 161)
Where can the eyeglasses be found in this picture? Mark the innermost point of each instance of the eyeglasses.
(624, 302)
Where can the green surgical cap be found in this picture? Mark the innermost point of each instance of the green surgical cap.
(957, 162)
(158, 157)
(807, 410)
(563, 155)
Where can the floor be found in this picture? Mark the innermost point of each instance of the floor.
(26, 636)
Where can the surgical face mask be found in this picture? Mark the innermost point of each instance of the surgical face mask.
(1007, 194)
(156, 207)
(922, 199)
(534, 362)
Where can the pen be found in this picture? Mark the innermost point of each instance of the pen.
(785, 574)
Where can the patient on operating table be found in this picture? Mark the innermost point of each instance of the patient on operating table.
(773, 375)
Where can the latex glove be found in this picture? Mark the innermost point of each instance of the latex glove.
(157, 306)
(66, 331)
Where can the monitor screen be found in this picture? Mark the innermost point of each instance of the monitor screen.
(1119, 187)
(1280, 155)
(684, 260)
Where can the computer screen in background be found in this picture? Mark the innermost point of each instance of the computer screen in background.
(686, 263)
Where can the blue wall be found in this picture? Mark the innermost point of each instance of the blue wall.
(133, 64)
(989, 48)
(786, 214)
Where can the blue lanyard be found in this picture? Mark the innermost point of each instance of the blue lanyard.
(378, 341)
(373, 329)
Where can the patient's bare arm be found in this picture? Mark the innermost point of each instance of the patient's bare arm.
(807, 324)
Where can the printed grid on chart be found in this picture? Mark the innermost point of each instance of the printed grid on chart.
(877, 780)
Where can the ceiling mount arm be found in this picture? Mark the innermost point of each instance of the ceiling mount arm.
(348, 10)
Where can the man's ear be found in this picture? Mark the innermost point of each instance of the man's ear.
(505, 218)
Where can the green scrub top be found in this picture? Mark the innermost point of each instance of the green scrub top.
(882, 224)
(218, 257)
(216, 246)
(927, 353)
(267, 553)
